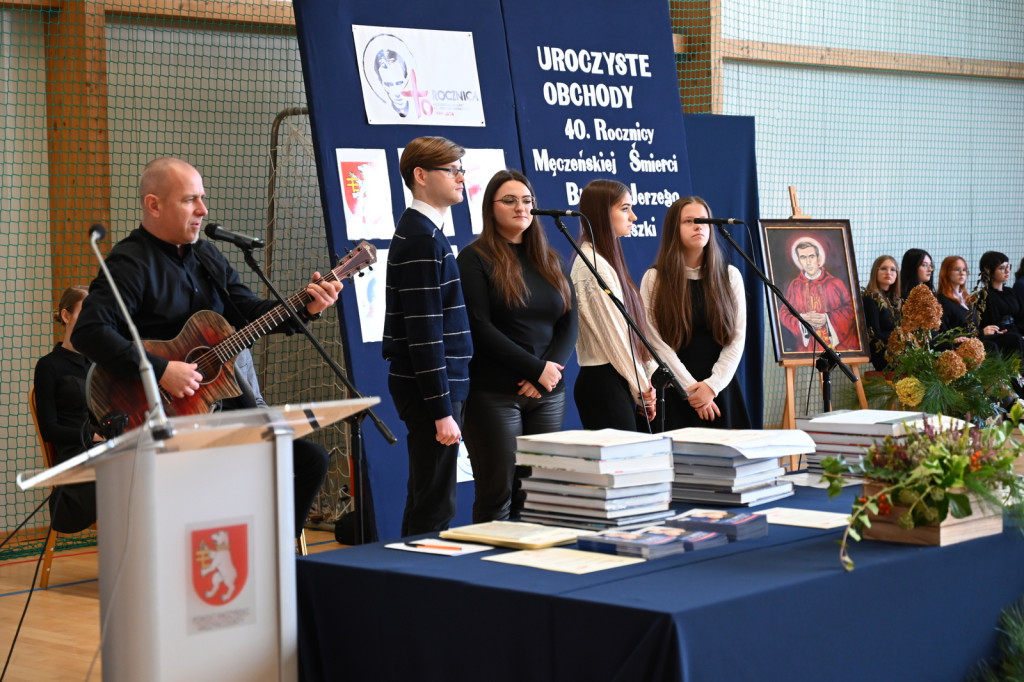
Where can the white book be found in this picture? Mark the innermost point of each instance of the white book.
(595, 503)
(594, 524)
(595, 466)
(747, 497)
(599, 513)
(600, 444)
(748, 443)
(874, 422)
(512, 534)
(736, 484)
(740, 470)
(531, 485)
(614, 480)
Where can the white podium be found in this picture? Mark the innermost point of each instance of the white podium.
(196, 546)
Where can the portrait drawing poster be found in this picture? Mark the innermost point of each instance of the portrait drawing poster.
(812, 263)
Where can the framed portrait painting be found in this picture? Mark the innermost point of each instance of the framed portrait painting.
(812, 263)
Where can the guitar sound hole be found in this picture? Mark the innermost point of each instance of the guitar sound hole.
(209, 366)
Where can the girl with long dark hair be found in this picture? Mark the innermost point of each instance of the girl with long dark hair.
(615, 367)
(698, 317)
(522, 316)
(917, 267)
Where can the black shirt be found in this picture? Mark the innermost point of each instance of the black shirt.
(60, 401)
(162, 288)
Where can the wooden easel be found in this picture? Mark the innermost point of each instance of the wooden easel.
(792, 364)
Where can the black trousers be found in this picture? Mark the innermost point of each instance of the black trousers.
(73, 507)
(604, 401)
(493, 420)
(310, 462)
(430, 492)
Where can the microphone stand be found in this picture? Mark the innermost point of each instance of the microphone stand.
(829, 358)
(354, 421)
(663, 376)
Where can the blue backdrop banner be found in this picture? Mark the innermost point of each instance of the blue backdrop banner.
(568, 92)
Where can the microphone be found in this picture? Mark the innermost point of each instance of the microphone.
(718, 221)
(555, 213)
(215, 231)
(162, 429)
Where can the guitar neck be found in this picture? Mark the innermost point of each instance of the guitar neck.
(360, 257)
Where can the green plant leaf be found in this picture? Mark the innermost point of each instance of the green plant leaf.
(959, 505)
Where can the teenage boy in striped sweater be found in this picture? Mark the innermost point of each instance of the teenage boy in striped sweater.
(426, 332)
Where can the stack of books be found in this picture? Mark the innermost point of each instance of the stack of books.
(849, 433)
(596, 479)
(733, 467)
(651, 542)
(733, 525)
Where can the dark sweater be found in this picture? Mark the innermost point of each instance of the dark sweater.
(880, 321)
(1003, 308)
(60, 401)
(162, 289)
(955, 316)
(426, 329)
(514, 343)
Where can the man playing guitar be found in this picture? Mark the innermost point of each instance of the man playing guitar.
(166, 274)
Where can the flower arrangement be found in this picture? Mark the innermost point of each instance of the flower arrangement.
(948, 373)
(931, 474)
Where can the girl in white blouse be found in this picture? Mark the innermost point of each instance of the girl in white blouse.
(613, 389)
(697, 314)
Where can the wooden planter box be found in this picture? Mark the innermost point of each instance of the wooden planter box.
(982, 522)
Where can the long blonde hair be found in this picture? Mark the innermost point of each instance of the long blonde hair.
(892, 296)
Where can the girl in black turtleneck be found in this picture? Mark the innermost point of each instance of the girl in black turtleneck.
(522, 314)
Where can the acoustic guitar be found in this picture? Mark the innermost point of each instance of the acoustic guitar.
(209, 341)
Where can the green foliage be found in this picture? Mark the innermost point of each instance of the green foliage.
(931, 474)
(1009, 666)
(974, 396)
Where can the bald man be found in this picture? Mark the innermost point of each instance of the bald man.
(165, 274)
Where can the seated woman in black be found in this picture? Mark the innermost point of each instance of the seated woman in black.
(916, 268)
(1001, 313)
(64, 417)
(958, 310)
(882, 303)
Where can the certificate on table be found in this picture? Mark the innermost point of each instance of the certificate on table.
(805, 518)
(564, 560)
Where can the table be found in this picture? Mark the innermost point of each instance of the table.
(778, 607)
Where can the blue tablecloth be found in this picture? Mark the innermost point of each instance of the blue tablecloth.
(778, 607)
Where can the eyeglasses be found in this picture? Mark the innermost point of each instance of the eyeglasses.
(1004, 267)
(512, 202)
(452, 172)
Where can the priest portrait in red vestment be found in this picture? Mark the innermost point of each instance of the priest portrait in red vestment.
(822, 299)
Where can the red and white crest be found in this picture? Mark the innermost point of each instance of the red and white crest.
(352, 181)
(220, 563)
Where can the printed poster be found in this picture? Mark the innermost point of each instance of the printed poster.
(367, 192)
(418, 77)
